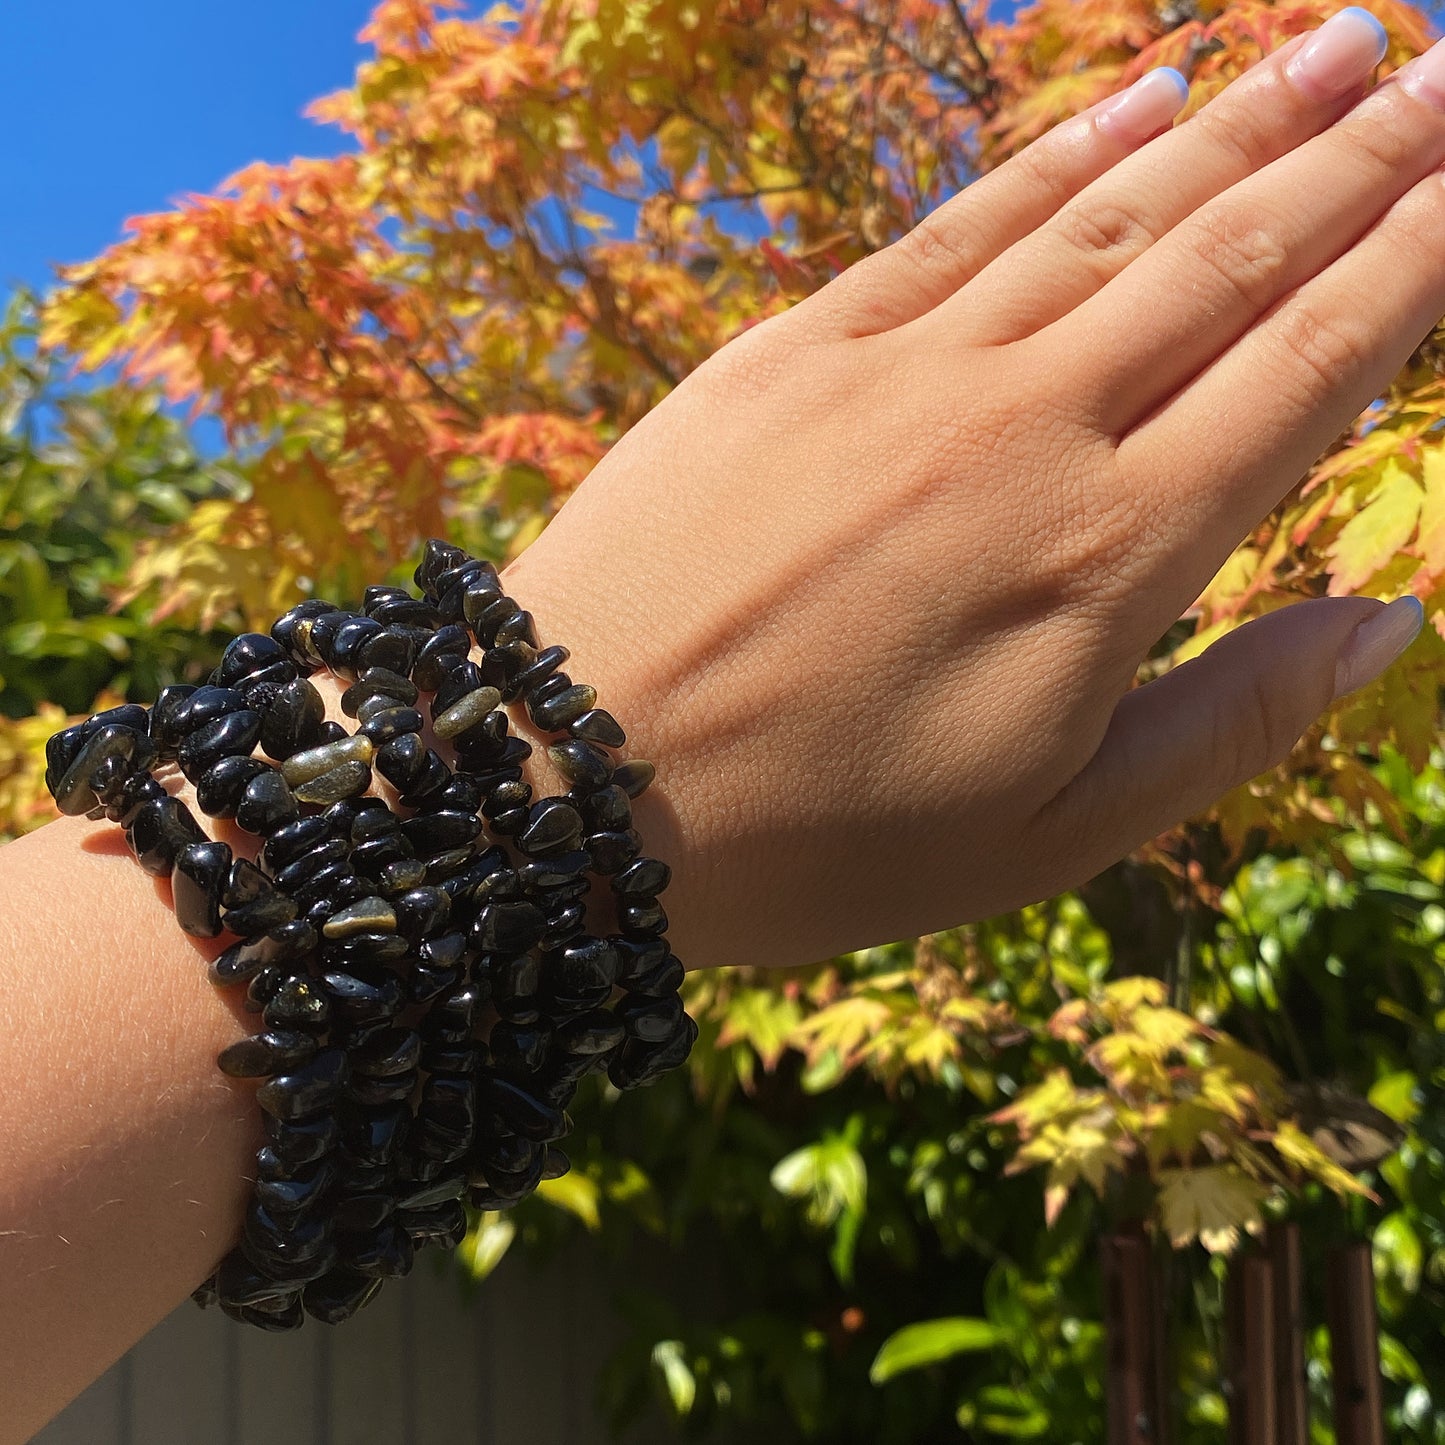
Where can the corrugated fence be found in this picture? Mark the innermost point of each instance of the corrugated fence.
(418, 1366)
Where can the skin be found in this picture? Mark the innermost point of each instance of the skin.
(870, 587)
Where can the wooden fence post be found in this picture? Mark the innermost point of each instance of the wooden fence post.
(1249, 1328)
(1292, 1419)
(1354, 1345)
(1133, 1324)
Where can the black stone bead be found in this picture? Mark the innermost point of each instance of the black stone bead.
(634, 777)
(461, 795)
(421, 911)
(159, 831)
(429, 786)
(219, 792)
(554, 872)
(369, 859)
(367, 915)
(642, 919)
(285, 1198)
(264, 686)
(515, 982)
(486, 618)
(239, 1282)
(597, 725)
(663, 978)
(449, 641)
(552, 827)
(650, 1020)
(289, 1247)
(581, 966)
(137, 790)
(463, 680)
(378, 682)
(509, 1106)
(367, 950)
(392, 649)
(108, 779)
(549, 687)
(284, 629)
(451, 1058)
(427, 982)
(406, 609)
(638, 1063)
(200, 874)
(643, 878)
(450, 1100)
(447, 950)
(583, 765)
(359, 1213)
(521, 1183)
(298, 1003)
(557, 895)
(387, 1253)
(325, 854)
(433, 833)
(327, 891)
(263, 915)
(348, 640)
(427, 1195)
(272, 1052)
(163, 717)
(319, 640)
(364, 998)
(403, 761)
(519, 1048)
(205, 705)
(637, 956)
(244, 960)
(392, 1051)
(554, 713)
(503, 664)
(245, 655)
(598, 1031)
(289, 843)
(565, 924)
(557, 1163)
(293, 722)
(436, 557)
(338, 1295)
(509, 927)
(543, 666)
(394, 1088)
(444, 1224)
(373, 706)
(391, 723)
(234, 734)
(608, 810)
(307, 1090)
(450, 863)
(331, 732)
(611, 852)
(506, 795)
(267, 804)
(401, 876)
(73, 792)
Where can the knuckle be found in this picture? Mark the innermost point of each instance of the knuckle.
(1107, 229)
(1240, 245)
(1247, 134)
(1388, 148)
(941, 243)
(1089, 557)
(1257, 735)
(1322, 352)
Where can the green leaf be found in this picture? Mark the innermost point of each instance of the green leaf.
(928, 1342)
(482, 1250)
(681, 1384)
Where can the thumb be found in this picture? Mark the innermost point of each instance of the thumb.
(1178, 744)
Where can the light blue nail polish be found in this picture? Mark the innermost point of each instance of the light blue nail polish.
(1180, 83)
(1374, 20)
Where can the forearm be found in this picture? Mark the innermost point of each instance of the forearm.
(127, 1155)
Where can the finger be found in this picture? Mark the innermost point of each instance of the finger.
(1164, 318)
(910, 277)
(1320, 357)
(1267, 112)
(1177, 745)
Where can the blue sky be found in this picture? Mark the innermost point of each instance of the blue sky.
(111, 108)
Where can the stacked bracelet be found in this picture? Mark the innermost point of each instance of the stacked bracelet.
(429, 989)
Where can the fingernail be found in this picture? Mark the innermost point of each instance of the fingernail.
(1376, 643)
(1424, 77)
(1148, 105)
(1339, 55)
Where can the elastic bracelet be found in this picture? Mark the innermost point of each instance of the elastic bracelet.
(429, 992)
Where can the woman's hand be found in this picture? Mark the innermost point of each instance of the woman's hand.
(872, 585)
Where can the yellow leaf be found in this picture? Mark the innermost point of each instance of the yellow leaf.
(575, 1193)
(1211, 1205)
(1431, 543)
(1382, 526)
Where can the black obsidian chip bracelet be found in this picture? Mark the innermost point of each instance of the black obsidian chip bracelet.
(429, 992)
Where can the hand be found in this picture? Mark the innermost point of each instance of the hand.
(872, 585)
